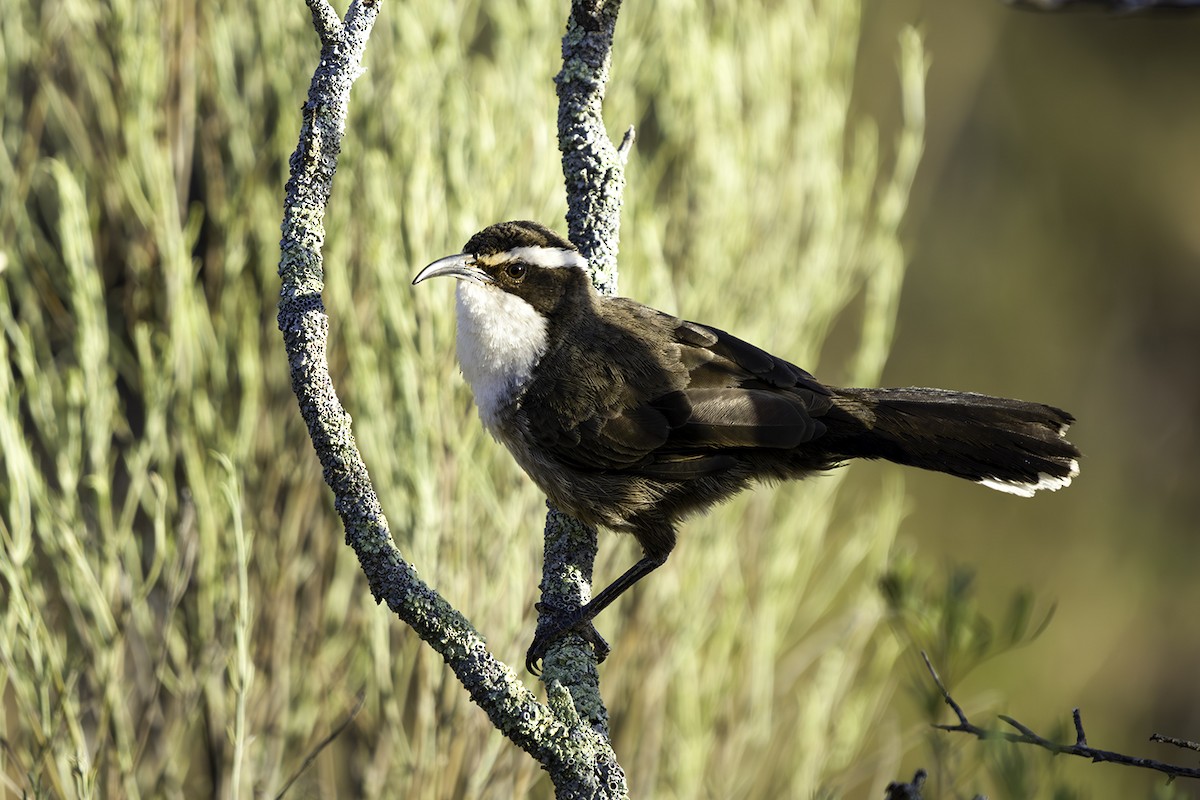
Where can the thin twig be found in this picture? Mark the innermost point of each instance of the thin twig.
(316, 751)
(1186, 744)
(1080, 748)
(1024, 729)
(958, 712)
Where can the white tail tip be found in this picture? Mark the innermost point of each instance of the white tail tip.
(1046, 482)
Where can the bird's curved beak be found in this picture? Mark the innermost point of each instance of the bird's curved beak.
(461, 266)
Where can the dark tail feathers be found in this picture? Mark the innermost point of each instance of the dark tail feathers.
(1009, 445)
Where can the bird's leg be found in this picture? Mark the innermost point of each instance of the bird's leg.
(553, 626)
(555, 622)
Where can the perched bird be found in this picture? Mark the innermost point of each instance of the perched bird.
(632, 419)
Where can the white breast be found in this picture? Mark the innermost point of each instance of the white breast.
(500, 339)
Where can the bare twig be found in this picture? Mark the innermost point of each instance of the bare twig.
(1026, 736)
(1186, 744)
(958, 712)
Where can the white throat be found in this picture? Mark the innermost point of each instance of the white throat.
(500, 339)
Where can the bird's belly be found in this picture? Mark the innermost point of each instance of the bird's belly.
(606, 499)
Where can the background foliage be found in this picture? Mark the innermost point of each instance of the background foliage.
(1053, 255)
(179, 616)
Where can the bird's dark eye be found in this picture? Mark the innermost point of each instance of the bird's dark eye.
(515, 271)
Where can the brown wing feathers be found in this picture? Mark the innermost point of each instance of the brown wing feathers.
(729, 395)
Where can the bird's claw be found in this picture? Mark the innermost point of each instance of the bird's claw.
(553, 625)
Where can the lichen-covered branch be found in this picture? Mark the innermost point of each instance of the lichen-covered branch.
(593, 170)
(575, 755)
(592, 167)
(1080, 747)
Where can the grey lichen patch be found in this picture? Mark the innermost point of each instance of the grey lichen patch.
(577, 71)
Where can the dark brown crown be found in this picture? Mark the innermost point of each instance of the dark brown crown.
(519, 233)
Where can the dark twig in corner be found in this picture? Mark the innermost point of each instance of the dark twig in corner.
(1026, 735)
(1115, 6)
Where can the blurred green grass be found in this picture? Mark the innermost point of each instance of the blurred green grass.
(179, 616)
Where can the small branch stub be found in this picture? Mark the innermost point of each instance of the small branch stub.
(626, 145)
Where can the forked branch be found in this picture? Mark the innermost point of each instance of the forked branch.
(578, 758)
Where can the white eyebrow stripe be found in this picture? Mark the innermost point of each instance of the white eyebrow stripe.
(549, 257)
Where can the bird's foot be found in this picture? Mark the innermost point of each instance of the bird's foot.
(554, 624)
